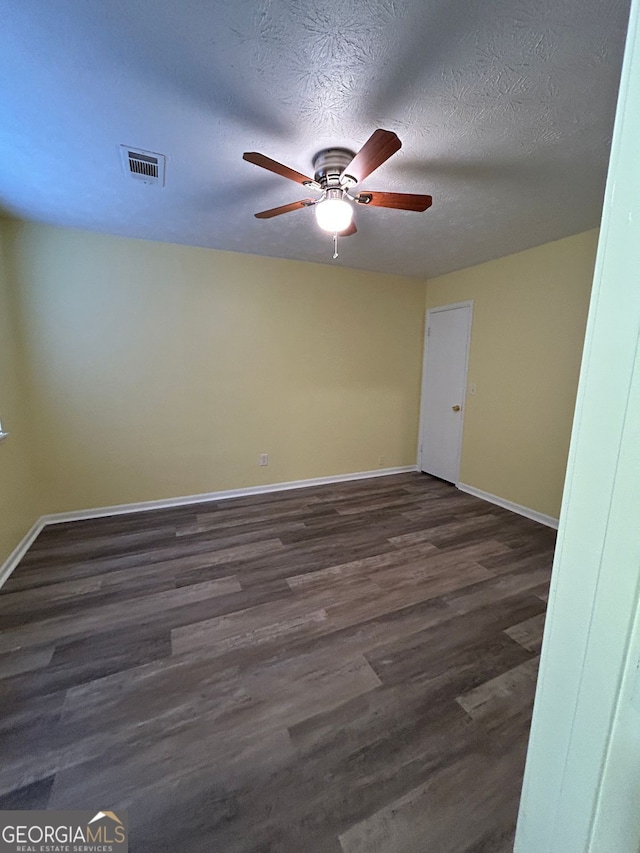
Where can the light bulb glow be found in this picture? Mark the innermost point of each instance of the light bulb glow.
(334, 215)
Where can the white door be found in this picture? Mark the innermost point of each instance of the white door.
(444, 382)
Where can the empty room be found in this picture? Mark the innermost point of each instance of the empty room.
(318, 528)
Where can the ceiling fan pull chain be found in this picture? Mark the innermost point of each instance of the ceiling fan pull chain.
(335, 246)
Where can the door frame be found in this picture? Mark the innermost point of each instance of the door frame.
(581, 785)
(429, 311)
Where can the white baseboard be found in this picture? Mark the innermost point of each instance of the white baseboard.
(167, 503)
(547, 520)
(19, 551)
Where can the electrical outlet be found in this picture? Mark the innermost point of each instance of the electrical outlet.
(381, 461)
(473, 388)
(263, 459)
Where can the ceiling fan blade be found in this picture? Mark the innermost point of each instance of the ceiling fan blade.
(376, 150)
(285, 208)
(348, 231)
(279, 169)
(399, 201)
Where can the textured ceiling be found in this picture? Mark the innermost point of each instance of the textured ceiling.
(504, 107)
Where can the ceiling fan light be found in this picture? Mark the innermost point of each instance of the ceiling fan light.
(334, 215)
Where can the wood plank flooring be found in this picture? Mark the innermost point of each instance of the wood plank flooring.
(342, 669)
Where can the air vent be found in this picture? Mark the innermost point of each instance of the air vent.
(145, 166)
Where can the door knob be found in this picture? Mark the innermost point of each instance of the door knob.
(455, 408)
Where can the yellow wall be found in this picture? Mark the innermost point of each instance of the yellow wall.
(19, 507)
(529, 317)
(159, 370)
(153, 370)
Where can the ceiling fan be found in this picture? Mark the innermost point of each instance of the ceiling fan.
(336, 172)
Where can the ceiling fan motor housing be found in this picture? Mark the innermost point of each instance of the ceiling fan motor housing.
(329, 166)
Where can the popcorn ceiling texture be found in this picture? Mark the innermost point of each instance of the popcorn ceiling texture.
(505, 109)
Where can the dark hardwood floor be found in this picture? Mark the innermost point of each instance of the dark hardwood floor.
(342, 669)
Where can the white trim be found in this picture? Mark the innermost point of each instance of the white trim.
(547, 520)
(166, 503)
(581, 785)
(3, 435)
(468, 304)
(19, 551)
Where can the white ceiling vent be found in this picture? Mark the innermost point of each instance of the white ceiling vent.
(145, 166)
